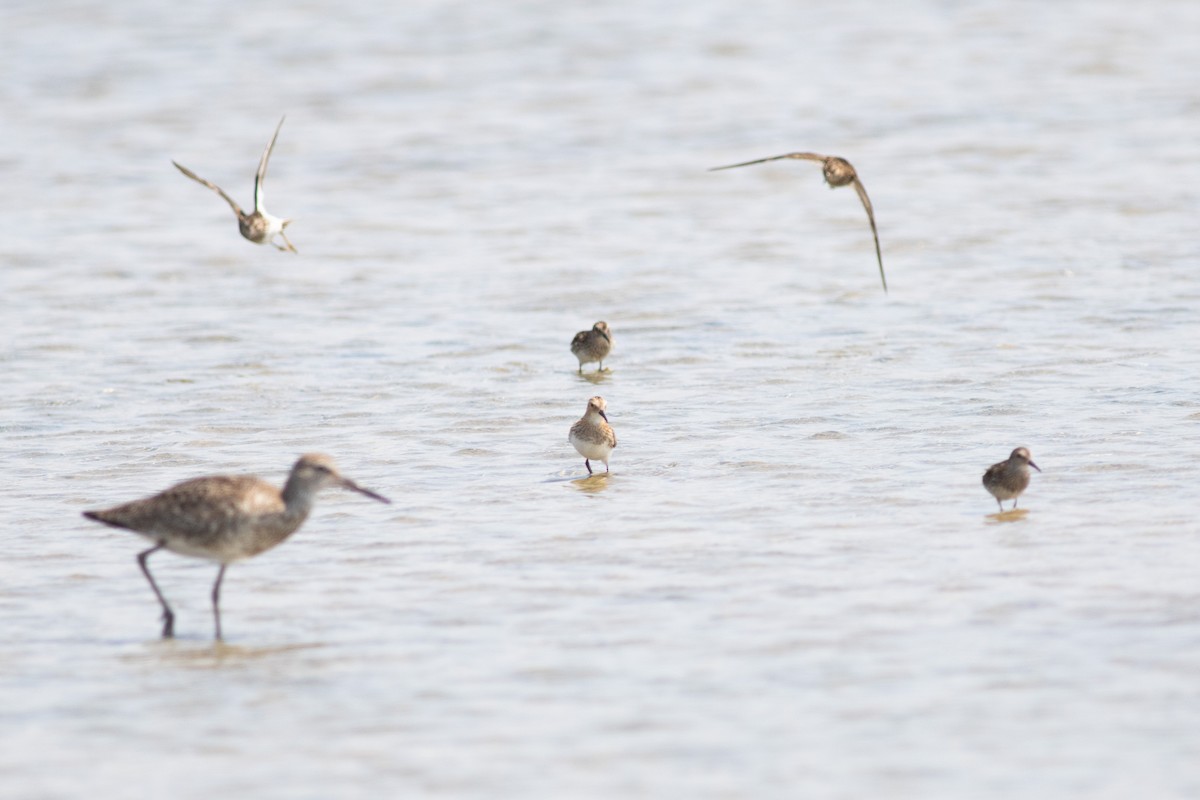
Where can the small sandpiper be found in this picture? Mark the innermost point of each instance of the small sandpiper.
(259, 227)
(593, 345)
(838, 172)
(1007, 479)
(225, 519)
(592, 436)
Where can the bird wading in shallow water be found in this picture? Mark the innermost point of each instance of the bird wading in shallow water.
(225, 519)
(592, 436)
(1007, 479)
(259, 227)
(593, 345)
(838, 172)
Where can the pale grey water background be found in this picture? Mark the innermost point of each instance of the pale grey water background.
(792, 585)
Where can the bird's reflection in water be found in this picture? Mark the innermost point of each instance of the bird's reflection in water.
(595, 377)
(214, 654)
(592, 484)
(1012, 515)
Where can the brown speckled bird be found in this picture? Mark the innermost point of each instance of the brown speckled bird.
(259, 227)
(593, 345)
(1007, 479)
(592, 436)
(838, 172)
(225, 519)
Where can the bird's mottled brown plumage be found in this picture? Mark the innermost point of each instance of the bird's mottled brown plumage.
(592, 436)
(838, 172)
(221, 518)
(1006, 479)
(259, 226)
(593, 345)
(225, 518)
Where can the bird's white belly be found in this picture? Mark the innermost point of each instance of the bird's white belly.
(273, 226)
(597, 450)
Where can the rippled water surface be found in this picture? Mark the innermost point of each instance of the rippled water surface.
(792, 583)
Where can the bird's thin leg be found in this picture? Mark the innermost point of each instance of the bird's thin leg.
(607, 469)
(216, 598)
(167, 615)
(1001, 505)
(600, 366)
(589, 466)
(289, 247)
(1014, 504)
(580, 367)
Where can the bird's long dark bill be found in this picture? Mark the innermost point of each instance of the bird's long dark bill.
(354, 487)
(1035, 466)
(603, 415)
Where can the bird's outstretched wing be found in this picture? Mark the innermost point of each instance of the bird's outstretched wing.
(866, 201)
(260, 177)
(236, 208)
(804, 156)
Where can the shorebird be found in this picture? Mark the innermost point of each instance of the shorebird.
(259, 227)
(592, 436)
(1007, 479)
(225, 519)
(838, 172)
(593, 345)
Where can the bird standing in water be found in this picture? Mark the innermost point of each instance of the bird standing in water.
(592, 436)
(593, 345)
(225, 519)
(1006, 479)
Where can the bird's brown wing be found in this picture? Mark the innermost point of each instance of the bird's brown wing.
(804, 156)
(199, 508)
(866, 201)
(260, 177)
(993, 473)
(236, 208)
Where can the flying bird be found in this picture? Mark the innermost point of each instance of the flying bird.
(259, 227)
(838, 172)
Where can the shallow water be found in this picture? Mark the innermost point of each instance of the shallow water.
(792, 583)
